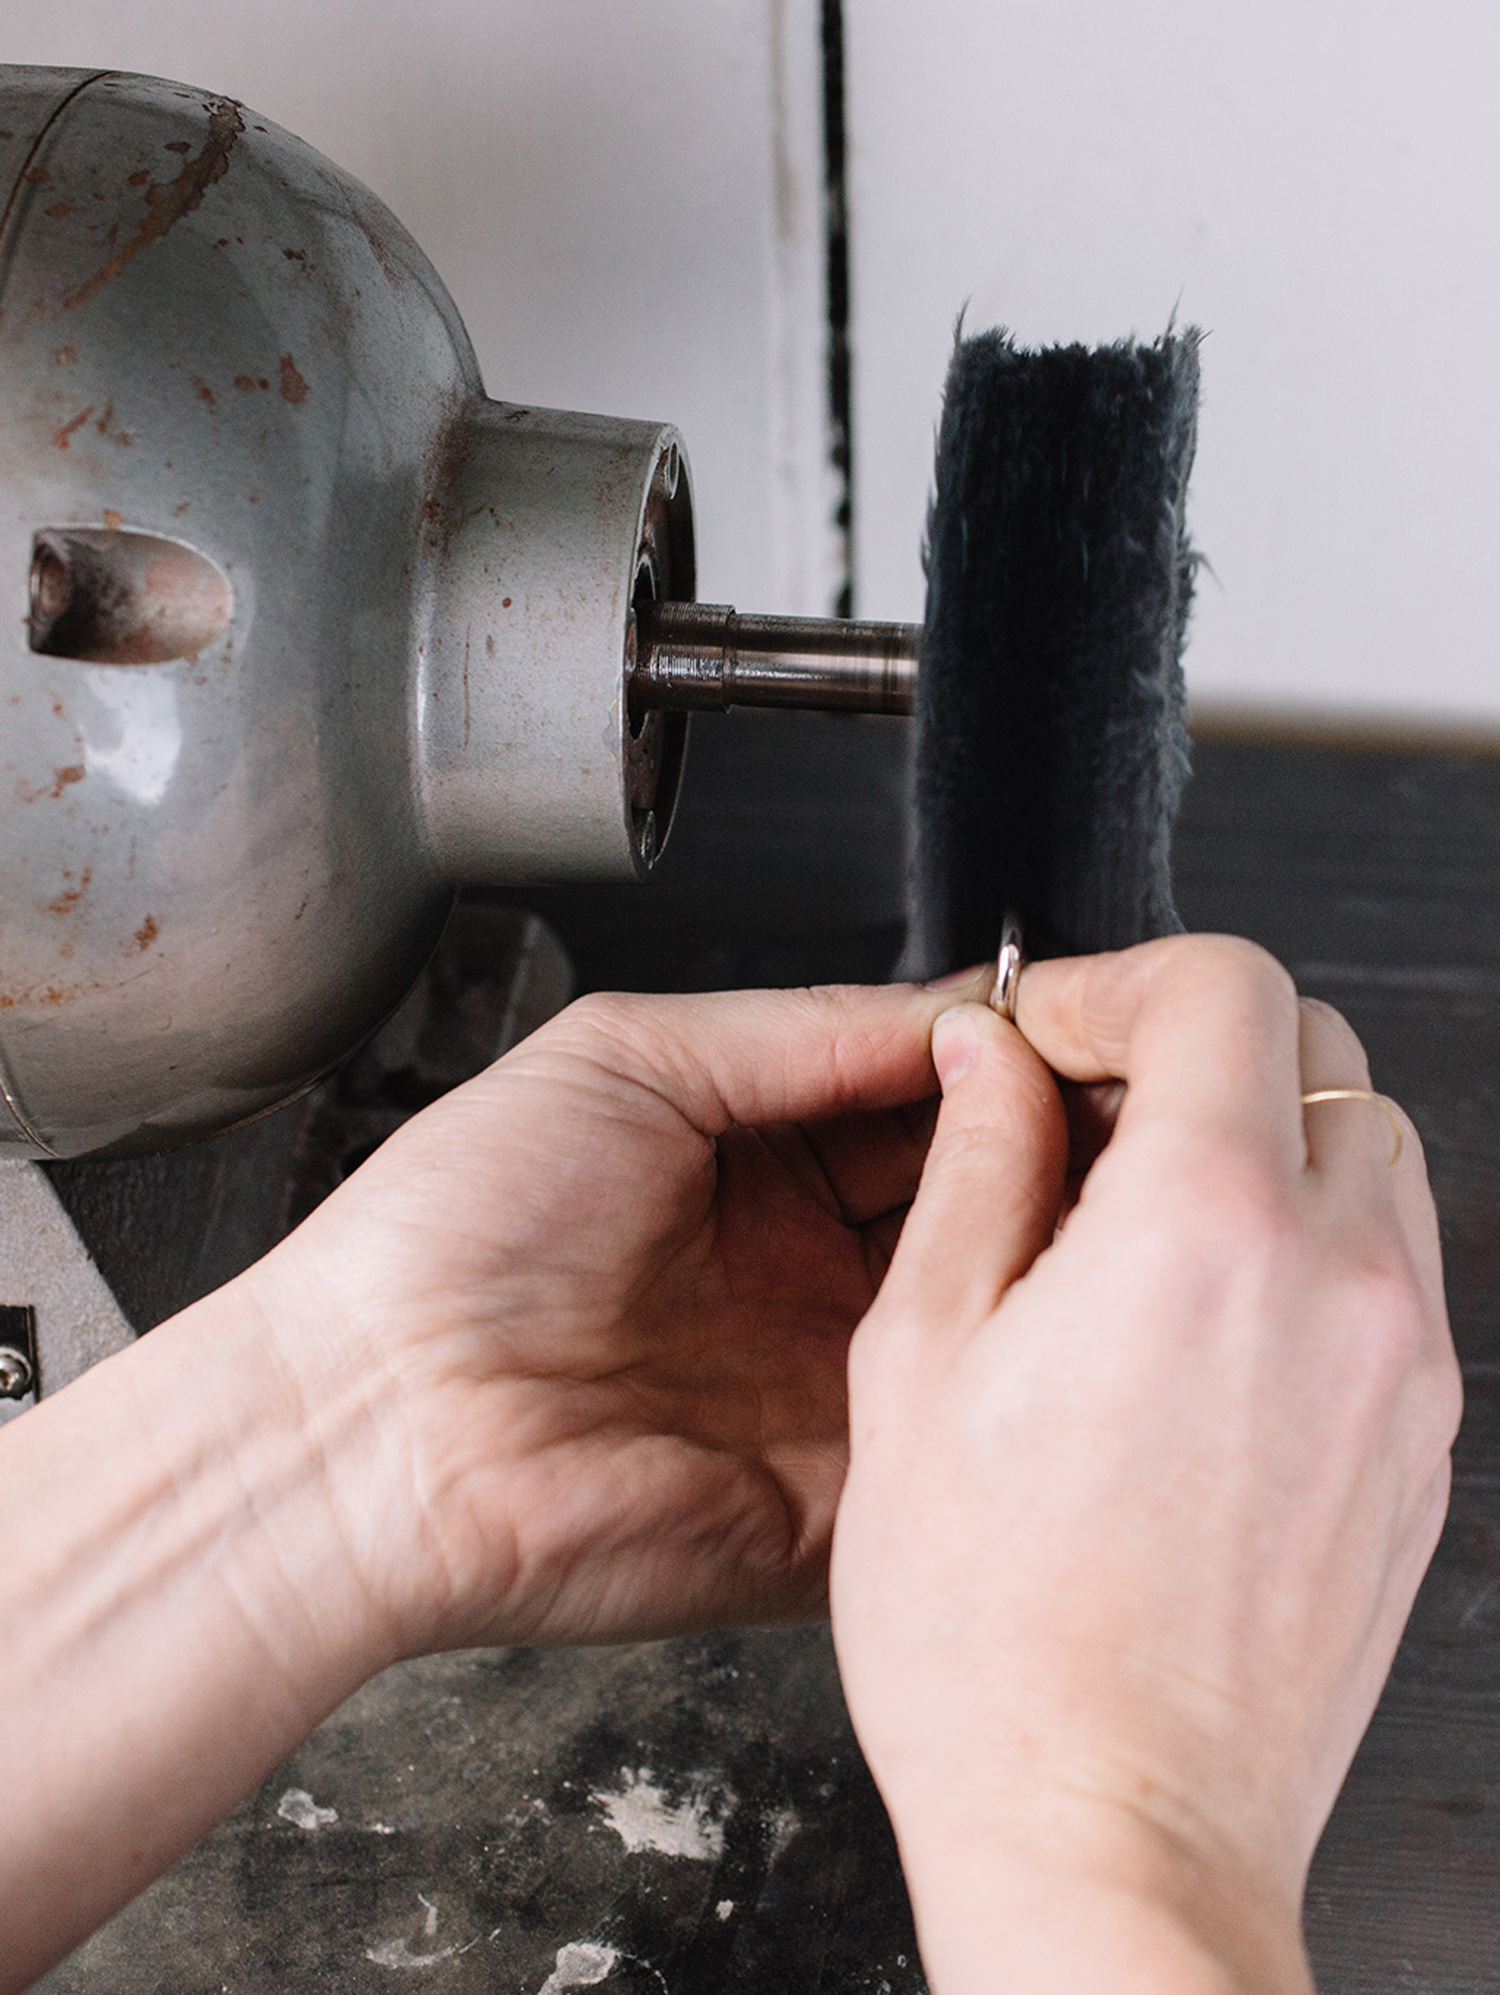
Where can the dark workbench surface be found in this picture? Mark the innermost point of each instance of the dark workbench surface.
(693, 1818)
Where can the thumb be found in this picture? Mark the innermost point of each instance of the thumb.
(992, 1185)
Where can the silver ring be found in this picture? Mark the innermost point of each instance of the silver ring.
(1008, 967)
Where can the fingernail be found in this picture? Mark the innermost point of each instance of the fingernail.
(955, 1046)
(954, 978)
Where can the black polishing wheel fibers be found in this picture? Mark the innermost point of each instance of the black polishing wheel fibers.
(1051, 747)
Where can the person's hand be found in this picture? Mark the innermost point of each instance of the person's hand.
(564, 1361)
(600, 1299)
(1135, 1514)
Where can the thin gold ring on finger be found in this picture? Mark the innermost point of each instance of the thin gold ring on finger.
(1382, 1101)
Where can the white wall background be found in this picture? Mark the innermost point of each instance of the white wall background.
(625, 200)
(1315, 182)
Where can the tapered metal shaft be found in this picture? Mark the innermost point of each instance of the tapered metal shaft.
(695, 655)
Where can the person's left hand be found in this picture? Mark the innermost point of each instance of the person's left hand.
(563, 1362)
(600, 1300)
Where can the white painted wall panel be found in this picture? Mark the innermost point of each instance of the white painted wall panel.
(1317, 183)
(624, 200)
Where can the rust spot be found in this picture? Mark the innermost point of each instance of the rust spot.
(109, 427)
(443, 461)
(61, 437)
(505, 602)
(139, 179)
(36, 176)
(61, 778)
(69, 898)
(263, 383)
(64, 356)
(293, 387)
(178, 511)
(58, 209)
(245, 383)
(374, 235)
(205, 393)
(166, 206)
(181, 145)
(301, 911)
(146, 934)
(112, 518)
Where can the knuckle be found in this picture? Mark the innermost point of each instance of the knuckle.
(1231, 957)
(1216, 970)
(839, 1032)
(1006, 1126)
(597, 1011)
(1448, 1396)
(966, 1149)
(602, 1028)
(1382, 1292)
(1422, 1345)
(1401, 1333)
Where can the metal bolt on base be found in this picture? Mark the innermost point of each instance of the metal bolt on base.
(17, 1375)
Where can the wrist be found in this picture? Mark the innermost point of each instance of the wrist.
(218, 1476)
(1093, 1908)
(317, 1445)
(387, 1411)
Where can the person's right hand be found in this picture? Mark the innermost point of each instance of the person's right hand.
(1136, 1514)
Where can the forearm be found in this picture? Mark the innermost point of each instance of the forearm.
(178, 1608)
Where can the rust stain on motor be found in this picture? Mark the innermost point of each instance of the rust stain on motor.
(167, 205)
(69, 898)
(62, 438)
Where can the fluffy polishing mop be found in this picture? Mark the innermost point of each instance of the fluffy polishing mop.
(1051, 749)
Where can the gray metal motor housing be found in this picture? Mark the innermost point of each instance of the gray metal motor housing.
(305, 633)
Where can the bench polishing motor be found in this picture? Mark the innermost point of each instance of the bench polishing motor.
(305, 632)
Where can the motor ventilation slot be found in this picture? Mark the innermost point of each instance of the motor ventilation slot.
(110, 596)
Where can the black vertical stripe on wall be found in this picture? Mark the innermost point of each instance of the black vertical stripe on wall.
(836, 236)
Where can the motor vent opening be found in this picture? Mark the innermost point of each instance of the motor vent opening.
(111, 596)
